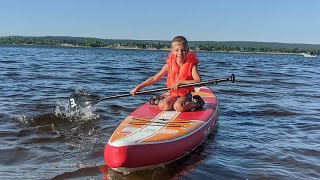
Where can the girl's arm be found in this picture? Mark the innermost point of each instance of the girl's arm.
(150, 80)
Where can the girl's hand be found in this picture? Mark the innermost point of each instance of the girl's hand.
(176, 85)
(134, 91)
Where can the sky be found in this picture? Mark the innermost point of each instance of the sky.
(287, 21)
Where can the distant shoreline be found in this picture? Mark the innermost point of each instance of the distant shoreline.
(148, 49)
(199, 46)
(168, 49)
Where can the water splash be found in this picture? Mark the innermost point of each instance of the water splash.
(75, 124)
(75, 114)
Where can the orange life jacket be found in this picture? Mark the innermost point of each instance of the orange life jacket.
(184, 73)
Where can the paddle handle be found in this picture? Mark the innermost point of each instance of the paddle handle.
(215, 81)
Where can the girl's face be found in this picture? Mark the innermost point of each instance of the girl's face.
(179, 51)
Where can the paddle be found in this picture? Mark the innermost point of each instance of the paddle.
(82, 98)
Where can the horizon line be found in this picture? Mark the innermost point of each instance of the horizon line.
(154, 39)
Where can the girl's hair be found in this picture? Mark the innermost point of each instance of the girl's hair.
(180, 39)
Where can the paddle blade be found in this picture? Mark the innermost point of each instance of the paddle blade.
(82, 99)
(232, 78)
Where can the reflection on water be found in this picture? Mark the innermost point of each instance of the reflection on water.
(268, 124)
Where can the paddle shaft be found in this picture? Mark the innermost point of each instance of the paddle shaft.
(216, 81)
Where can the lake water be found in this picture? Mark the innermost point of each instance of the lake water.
(269, 123)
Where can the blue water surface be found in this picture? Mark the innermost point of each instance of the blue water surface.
(268, 125)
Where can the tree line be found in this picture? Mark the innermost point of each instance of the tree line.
(217, 46)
